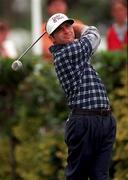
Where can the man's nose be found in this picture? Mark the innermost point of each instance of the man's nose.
(65, 29)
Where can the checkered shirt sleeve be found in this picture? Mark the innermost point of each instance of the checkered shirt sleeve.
(79, 80)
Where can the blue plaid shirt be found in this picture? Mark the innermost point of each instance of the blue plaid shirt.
(79, 80)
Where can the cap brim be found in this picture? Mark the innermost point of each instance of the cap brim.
(71, 21)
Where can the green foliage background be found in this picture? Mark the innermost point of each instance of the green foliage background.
(33, 111)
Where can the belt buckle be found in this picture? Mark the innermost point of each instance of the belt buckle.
(102, 112)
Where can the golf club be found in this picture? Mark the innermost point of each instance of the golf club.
(17, 64)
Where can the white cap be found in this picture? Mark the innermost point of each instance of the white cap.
(55, 21)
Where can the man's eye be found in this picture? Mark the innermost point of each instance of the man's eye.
(58, 29)
(68, 25)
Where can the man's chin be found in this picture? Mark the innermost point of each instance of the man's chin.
(69, 40)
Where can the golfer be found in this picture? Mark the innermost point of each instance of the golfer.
(90, 128)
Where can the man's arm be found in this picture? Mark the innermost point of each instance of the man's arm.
(90, 32)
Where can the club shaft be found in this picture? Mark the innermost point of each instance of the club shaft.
(30, 47)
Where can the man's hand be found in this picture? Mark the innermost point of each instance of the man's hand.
(78, 26)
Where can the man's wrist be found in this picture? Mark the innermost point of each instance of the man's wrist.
(84, 29)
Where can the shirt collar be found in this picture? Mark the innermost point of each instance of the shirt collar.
(55, 48)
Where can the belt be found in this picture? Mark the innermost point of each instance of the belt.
(102, 112)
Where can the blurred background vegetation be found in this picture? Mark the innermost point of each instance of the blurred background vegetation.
(32, 115)
(18, 12)
(33, 107)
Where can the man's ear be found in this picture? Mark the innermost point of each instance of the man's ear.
(52, 38)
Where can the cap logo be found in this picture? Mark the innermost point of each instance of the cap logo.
(56, 18)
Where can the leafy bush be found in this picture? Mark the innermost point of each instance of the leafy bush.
(33, 111)
(113, 69)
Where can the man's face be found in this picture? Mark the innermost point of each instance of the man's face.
(119, 13)
(63, 34)
(57, 6)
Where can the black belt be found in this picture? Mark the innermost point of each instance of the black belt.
(102, 112)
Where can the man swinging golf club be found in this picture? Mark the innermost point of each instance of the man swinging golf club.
(90, 128)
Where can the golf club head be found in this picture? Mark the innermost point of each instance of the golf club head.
(17, 65)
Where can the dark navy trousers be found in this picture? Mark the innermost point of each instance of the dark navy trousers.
(89, 139)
